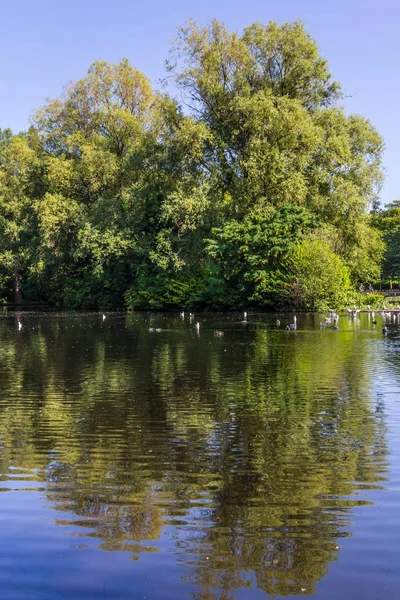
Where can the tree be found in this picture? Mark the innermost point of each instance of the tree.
(250, 257)
(17, 217)
(387, 221)
(122, 195)
(318, 278)
(278, 136)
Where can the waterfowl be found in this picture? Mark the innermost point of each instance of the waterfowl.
(374, 322)
(19, 325)
(104, 317)
(385, 330)
(151, 329)
(278, 322)
(198, 326)
(158, 329)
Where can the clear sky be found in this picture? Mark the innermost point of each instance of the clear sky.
(45, 44)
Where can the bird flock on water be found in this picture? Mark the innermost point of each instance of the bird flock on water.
(331, 321)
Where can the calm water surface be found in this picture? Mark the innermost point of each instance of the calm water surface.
(143, 465)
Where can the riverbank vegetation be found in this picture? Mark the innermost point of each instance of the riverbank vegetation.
(242, 182)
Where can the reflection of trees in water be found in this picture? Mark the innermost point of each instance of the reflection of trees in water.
(248, 450)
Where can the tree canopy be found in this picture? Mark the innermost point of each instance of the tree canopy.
(387, 222)
(120, 195)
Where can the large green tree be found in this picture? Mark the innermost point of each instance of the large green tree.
(122, 195)
(278, 134)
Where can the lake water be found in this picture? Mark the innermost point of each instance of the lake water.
(178, 464)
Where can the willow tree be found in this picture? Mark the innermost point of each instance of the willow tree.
(92, 137)
(278, 134)
(122, 172)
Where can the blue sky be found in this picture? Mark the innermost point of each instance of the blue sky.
(45, 44)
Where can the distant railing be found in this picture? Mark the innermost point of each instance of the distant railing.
(389, 293)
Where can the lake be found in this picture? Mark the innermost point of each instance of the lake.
(138, 464)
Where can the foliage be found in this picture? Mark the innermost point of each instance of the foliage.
(163, 289)
(252, 255)
(386, 284)
(120, 195)
(318, 277)
(388, 222)
(374, 300)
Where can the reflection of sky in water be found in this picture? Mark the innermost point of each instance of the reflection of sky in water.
(136, 464)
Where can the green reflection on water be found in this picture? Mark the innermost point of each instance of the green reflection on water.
(247, 452)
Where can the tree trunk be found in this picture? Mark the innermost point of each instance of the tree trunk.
(17, 290)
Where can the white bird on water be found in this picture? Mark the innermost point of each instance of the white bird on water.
(198, 326)
(19, 325)
(182, 314)
(104, 317)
